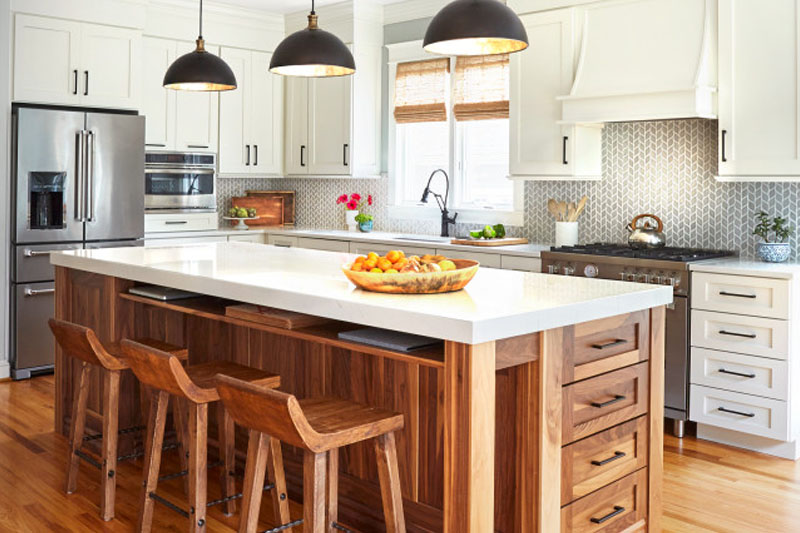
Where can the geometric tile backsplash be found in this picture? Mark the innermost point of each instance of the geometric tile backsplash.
(665, 167)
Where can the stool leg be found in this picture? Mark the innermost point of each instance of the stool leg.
(108, 481)
(198, 465)
(78, 426)
(314, 492)
(156, 420)
(277, 475)
(253, 481)
(180, 421)
(333, 489)
(389, 475)
(227, 451)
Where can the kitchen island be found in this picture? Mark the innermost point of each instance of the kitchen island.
(540, 411)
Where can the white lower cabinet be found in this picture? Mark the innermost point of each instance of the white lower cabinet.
(766, 337)
(180, 241)
(169, 222)
(740, 373)
(246, 236)
(282, 241)
(740, 412)
(525, 264)
(329, 245)
(363, 248)
(485, 259)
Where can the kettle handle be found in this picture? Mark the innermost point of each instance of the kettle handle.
(639, 217)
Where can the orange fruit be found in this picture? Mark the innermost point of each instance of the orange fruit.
(384, 263)
(357, 267)
(376, 271)
(391, 271)
(400, 263)
(360, 259)
(372, 255)
(370, 263)
(393, 256)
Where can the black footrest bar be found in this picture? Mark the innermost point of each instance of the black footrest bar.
(89, 459)
(168, 504)
(284, 527)
(340, 527)
(186, 472)
(224, 500)
(165, 448)
(133, 429)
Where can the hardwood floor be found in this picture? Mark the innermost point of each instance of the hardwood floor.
(707, 487)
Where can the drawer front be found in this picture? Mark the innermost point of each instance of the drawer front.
(181, 241)
(766, 337)
(487, 260)
(604, 345)
(247, 237)
(363, 248)
(180, 222)
(741, 295)
(323, 244)
(739, 412)
(740, 373)
(526, 264)
(603, 401)
(621, 506)
(282, 241)
(594, 462)
(32, 262)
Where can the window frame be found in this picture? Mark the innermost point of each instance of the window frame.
(413, 51)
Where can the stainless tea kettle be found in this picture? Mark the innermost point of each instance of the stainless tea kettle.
(646, 236)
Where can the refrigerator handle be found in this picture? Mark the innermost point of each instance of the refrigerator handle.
(90, 176)
(79, 176)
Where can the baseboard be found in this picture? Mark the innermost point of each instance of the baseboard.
(5, 370)
(785, 450)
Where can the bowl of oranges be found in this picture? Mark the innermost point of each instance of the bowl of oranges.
(397, 274)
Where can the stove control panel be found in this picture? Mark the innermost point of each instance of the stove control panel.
(670, 278)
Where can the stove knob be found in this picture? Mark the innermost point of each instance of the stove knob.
(645, 278)
(631, 276)
(669, 281)
(623, 276)
(552, 269)
(591, 271)
(568, 270)
(658, 280)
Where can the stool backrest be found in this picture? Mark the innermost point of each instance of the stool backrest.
(163, 371)
(269, 411)
(82, 343)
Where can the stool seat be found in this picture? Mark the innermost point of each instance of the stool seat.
(204, 376)
(115, 348)
(346, 422)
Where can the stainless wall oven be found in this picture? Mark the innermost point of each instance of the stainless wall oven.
(180, 181)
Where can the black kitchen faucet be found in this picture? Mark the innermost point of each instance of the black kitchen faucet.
(446, 218)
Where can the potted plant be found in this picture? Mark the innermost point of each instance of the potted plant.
(354, 217)
(773, 250)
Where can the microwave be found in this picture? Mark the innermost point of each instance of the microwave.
(180, 181)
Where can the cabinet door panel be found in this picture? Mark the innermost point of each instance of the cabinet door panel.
(110, 66)
(266, 116)
(296, 126)
(330, 116)
(197, 113)
(46, 60)
(158, 103)
(234, 118)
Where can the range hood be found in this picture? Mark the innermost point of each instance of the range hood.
(645, 60)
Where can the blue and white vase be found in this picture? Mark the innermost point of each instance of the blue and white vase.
(773, 252)
(366, 226)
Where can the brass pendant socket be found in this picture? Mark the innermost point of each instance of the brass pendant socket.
(312, 21)
(201, 45)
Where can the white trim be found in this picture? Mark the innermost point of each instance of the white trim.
(5, 370)
(412, 10)
(757, 179)
(406, 51)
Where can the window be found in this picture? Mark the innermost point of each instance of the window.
(453, 114)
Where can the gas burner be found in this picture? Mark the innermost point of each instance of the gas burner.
(684, 255)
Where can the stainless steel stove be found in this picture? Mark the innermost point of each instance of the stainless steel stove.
(664, 266)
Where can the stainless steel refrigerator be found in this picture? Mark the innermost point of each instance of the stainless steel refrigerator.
(77, 182)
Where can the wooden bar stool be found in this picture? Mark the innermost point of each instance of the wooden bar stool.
(195, 386)
(320, 427)
(81, 343)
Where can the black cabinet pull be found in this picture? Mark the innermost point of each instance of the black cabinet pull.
(344, 155)
(734, 412)
(617, 455)
(613, 343)
(203, 146)
(724, 156)
(75, 73)
(564, 150)
(600, 405)
(247, 147)
(734, 373)
(735, 334)
(737, 295)
(176, 222)
(303, 155)
(86, 84)
(617, 510)
(156, 145)
(255, 155)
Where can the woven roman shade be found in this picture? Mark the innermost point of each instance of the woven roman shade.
(420, 91)
(481, 88)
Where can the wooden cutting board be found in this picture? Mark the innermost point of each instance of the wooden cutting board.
(269, 209)
(270, 316)
(288, 202)
(507, 241)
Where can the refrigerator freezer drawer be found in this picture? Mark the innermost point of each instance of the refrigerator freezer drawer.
(32, 262)
(33, 346)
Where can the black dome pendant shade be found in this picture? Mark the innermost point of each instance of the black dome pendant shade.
(312, 53)
(200, 70)
(475, 28)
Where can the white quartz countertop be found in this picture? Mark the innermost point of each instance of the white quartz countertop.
(496, 304)
(747, 267)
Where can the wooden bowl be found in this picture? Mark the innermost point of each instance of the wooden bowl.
(416, 282)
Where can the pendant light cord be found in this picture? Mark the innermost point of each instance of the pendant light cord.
(201, 20)
(313, 12)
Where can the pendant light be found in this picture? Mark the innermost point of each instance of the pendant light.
(312, 53)
(200, 70)
(475, 28)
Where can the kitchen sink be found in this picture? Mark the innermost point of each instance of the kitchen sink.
(422, 238)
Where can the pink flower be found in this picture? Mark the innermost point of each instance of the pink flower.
(342, 199)
(352, 205)
(355, 196)
(369, 199)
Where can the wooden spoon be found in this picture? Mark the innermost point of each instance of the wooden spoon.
(581, 207)
(552, 207)
(562, 210)
(571, 212)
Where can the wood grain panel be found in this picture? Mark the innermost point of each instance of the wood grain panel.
(550, 420)
(517, 350)
(656, 418)
(626, 497)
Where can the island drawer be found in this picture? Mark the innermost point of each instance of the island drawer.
(621, 506)
(607, 344)
(596, 461)
(766, 337)
(740, 373)
(742, 295)
(739, 412)
(603, 401)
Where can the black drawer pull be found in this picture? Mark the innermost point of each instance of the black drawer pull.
(564, 150)
(618, 509)
(611, 344)
(738, 295)
(734, 412)
(600, 405)
(75, 90)
(617, 455)
(734, 373)
(724, 155)
(735, 334)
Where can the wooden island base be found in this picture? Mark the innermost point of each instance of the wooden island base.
(572, 417)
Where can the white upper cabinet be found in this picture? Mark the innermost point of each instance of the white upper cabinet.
(330, 114)
(296, 126)
(74, 63)
(542, 147)
(251, 117)
(196, 113)
(158, 103)
(759, 90)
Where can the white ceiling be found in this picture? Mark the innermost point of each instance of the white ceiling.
(286, 6)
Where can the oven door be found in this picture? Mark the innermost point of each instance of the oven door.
(180, 189)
